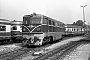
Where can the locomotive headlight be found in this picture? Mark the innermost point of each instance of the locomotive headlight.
(24, 29)
(38, 29)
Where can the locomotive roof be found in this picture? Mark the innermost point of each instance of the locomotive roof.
(39, 15)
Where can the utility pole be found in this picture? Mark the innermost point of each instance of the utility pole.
(84, 16)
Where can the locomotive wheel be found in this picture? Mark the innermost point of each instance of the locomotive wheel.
(45, 40)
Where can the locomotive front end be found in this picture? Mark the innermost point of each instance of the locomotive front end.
(32, 30)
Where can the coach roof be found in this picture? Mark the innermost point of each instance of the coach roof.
(5, 20)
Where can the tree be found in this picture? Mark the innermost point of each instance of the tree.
(74, 23)
(79, 23)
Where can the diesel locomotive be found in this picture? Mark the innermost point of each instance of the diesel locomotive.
(38, 29)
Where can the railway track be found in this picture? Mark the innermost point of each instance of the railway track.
(19, 52)
(61, 55)
(60, 52)
(13, 54)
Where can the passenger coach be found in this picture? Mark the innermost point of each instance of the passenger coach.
(16, 31)
(5, 31)
(74, 30)
(38, 29)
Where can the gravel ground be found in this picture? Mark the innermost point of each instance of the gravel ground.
(29, 56)
(80, 53)
(8, 48)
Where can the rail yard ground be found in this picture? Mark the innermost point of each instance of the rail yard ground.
(68, 49)
(80, 53)
(51, 49)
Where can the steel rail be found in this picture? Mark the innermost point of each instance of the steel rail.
(12, 54)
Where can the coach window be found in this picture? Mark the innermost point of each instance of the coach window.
(14, 28)
(2, 28)
(81, 29)
(58, 24)
(61, 25)
(74, 29)
(68, 29)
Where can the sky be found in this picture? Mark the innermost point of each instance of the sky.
(67, 11)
